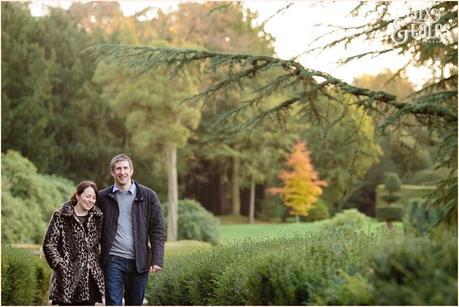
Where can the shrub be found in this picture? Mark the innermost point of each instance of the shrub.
(25, 278)
(318, 213)
(324, 268)
(281, 271)
(392, 182)
(272, 208)
(348, 290)
(195, 222)
(390, 198)
(389, 213)
(348, 220)
(26, 208)
(419, 217)
(416, 271)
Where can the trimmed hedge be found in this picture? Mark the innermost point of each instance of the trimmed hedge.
(25, 278)
(389, 213)
(327, 268)
(281, 271)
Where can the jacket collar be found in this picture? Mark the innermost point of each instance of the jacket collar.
(138, 196)
(69, 210)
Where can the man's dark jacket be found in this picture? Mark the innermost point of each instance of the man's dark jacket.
(147, 226)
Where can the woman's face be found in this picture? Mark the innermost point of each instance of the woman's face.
(87, 199)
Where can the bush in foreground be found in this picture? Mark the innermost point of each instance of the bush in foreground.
(281, 271)
(25, 278)
(326, 268)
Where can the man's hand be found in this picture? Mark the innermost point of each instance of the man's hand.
(155, 269)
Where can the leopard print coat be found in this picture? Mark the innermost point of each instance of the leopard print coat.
(73, 254)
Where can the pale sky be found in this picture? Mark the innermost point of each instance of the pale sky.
(295, 28)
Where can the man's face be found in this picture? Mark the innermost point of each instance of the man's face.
(122, 173)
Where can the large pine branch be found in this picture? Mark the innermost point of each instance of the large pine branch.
(242, 67)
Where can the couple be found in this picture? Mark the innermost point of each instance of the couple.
(123, 218)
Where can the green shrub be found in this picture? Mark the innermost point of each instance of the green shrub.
(318, 213)
(348, 220)
(272, 208)
(25, 278)
(281, 271)
(392, 182)
(419, 217)
(323, 268)
(348, 290)
(28, 199)
(390, 198)
(416, 271)
(194, 222)
(389, 213)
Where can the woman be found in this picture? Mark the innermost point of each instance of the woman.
(71, 248)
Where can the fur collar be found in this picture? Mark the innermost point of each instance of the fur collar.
(68, 210)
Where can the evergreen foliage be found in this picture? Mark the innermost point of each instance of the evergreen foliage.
(318, 213)
(416, 271)
(325, 268)
(349, 220)
(392, 182)
(419, 217)
(25, 278)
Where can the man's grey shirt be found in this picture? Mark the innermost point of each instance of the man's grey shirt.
(123, 245)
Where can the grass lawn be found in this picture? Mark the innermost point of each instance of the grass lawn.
(237, 232)
(182, 247)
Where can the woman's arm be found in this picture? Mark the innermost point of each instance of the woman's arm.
(51, 242)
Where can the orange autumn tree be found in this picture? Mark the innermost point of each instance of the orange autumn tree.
(302, 186)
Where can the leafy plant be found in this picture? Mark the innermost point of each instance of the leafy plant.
(25, 278)
(195, 222)
(348, 220)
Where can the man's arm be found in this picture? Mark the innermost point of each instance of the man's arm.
(156, 232)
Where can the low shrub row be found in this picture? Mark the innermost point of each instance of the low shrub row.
(324, 268)
(25, 278)
(233, 274)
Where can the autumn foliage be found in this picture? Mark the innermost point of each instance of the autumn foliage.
(302, 186)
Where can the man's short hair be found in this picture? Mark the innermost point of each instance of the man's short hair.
(118, 158)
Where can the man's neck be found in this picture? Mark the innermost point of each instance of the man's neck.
(124, 188)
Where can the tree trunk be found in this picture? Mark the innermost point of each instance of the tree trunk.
(172, 191)
(252, 202)
(235, 195)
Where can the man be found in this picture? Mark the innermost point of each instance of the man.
(132, 219)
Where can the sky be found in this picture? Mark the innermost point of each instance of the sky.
(294, 29)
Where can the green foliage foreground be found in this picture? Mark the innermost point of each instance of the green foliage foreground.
(337, 268)
(25, 278)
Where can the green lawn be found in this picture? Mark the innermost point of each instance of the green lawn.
(236, 232)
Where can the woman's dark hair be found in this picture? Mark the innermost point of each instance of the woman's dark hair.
(80, 189)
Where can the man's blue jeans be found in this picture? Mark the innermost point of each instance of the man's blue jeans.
(121, 276)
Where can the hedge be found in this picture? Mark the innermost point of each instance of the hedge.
(326, 268)
(25, 278)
